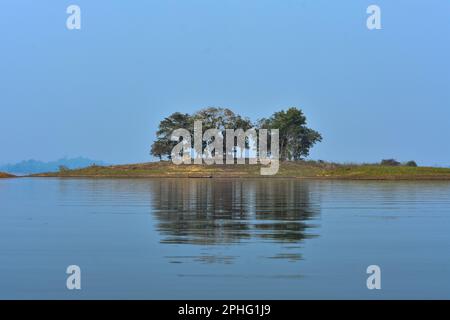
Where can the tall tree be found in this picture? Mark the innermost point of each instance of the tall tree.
(296, 139)
(163, 144)
(221, 119)
(160, 148)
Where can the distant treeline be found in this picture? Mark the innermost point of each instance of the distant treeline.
(296, 139)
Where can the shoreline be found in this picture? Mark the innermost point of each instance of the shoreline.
(4, 175)
(288, 170)
(240, 178)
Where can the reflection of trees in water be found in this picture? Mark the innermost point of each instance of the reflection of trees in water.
(201, 212)
(229, 211)
(283, 209)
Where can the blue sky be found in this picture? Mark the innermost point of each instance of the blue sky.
(101, 91)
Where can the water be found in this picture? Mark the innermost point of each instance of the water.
(224, 239)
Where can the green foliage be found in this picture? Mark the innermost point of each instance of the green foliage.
(163, 144)
(411, 164)
(221, 119)
(296, 139)
(160, 148)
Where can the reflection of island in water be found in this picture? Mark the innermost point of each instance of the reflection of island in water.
(221, 212)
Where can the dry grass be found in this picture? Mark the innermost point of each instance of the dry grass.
(5, 175)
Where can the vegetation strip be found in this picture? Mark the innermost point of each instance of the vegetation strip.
(288, 169)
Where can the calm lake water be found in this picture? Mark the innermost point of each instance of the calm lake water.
(227, 239)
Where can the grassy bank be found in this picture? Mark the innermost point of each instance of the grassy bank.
(5, 175)
(301, 169)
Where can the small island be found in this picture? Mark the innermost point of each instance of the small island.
(295, 141)
(288, 169)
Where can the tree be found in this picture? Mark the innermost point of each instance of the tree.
(296, 139)
(222, 119)
(163, 144)
(160, 148)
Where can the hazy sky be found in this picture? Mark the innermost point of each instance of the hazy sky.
(100, 91)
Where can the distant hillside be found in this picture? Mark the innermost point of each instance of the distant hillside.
(35, 166)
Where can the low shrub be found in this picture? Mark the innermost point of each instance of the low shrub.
(411, 164)
(390, 162)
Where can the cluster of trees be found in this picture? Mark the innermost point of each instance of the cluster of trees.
(296, 139)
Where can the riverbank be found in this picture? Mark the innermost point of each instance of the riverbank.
(300, 169)
(6, 175)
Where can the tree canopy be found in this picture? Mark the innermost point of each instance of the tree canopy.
(296, 139)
